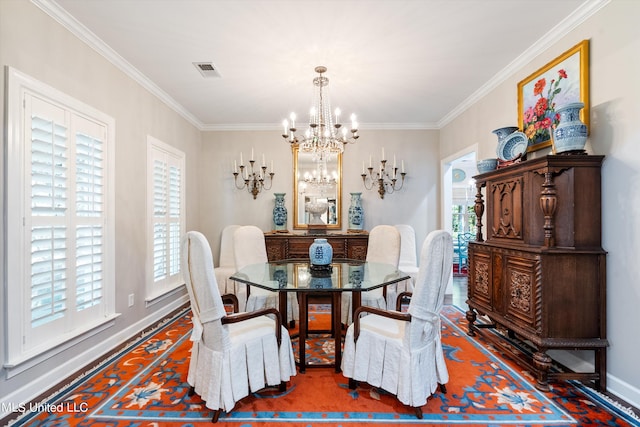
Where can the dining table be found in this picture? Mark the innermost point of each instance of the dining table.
(304, 279)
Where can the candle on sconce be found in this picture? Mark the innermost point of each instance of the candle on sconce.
(235, 166)
(369, 160)
(363, 167)
(271, 166)
(241, 163)
(293, 120)
(251, 153)
(337, 115)
(403, 166)
(394, 162)
(285, 125)
(382, 154)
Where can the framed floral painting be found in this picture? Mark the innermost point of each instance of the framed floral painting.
(563, 80)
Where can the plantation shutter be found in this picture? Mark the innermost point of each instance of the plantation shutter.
(66, 217)
(49, 161)
(59, 225)
(167, 204)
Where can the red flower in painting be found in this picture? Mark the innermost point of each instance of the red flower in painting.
(539, 87)
(541, 107)
(540, 118)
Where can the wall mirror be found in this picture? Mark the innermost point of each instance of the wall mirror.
(317, 191)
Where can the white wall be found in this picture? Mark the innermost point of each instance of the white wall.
(615, 109)
(32, 42)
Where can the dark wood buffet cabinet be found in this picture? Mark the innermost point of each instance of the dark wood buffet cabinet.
(540, 275)
(296, 246)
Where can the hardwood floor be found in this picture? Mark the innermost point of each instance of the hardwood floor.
(460, 291)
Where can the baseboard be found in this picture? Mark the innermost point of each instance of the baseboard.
(35, 388)
(448, 299)
(624, 391)
(615, 385)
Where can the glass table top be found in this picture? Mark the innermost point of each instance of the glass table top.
(297, 276)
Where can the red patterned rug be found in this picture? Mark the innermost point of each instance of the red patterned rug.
(145, 385)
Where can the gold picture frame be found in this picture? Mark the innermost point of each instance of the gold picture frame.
(561, 81)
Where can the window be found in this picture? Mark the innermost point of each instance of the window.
(60, 190)
(165, 194)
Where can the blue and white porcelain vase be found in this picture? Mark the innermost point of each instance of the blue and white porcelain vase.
(320, 252)
(356, 274)
(280, 213)
(504, 132)
(570, 134)
(356, 213)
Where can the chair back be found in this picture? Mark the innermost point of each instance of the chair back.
(408, 256)
(384, 245)
(197, 269)
(226, 246)
(436, 265)
(249, 246)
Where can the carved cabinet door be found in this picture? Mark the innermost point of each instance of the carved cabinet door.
(506, 209)
(522, 290)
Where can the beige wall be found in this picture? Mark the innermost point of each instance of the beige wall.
(615, 110)
(417, 203)
(33, 43)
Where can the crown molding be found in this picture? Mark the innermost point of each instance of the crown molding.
(275, 127)
(585, 11)
(51, 8)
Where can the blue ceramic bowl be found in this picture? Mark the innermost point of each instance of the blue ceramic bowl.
(487, 165)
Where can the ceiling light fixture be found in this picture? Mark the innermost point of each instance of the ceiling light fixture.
(325, 135)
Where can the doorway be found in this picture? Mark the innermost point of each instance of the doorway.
(458, 198)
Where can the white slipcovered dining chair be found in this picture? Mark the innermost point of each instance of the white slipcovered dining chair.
(408, 264)
(383, 247)
(231, 354)
(227, 266)
(402, 352)
(249, 247)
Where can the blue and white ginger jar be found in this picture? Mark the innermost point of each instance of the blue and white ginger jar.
(320, 252)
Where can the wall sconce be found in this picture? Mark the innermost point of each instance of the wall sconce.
(386, 180)
(253, 180)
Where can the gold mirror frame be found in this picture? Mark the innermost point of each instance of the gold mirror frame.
(299, 215)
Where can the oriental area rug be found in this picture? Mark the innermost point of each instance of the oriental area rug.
(145, 385)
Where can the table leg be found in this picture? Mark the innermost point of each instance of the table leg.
(302, 330)
(336, 326)
(282, 307)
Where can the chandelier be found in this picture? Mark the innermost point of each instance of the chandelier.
(320, 181)
(325, 136)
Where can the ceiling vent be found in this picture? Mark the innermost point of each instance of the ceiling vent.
(207, 69)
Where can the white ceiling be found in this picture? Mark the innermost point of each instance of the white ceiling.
(412, 64)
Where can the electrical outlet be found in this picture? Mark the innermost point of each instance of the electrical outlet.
(131, 300)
